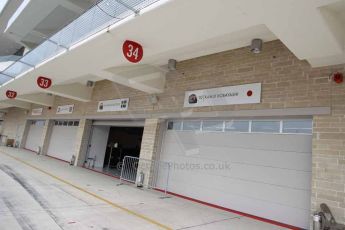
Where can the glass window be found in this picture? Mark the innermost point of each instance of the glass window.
(191, 125)
(65, 123)
(60, 123)
(216, 126)
(76, 123)
(56, 123)
(40, 123)
(70, 123)
(266, 126)
(174, 125)
(297, 126)
(237, 126)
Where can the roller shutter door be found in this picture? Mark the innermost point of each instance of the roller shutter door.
(259, 167)
(63, 139)
(34, 137)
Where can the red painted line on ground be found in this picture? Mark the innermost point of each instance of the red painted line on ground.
(55, 158)
(30, 150)
(234, 211)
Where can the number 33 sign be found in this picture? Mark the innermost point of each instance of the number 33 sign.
(132, 51)
(44, 82)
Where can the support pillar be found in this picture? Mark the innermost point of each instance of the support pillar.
(46, 134)
(82, 140)
(150, 147)
(25, 134)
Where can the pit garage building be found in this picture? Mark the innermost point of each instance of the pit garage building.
(256, 133)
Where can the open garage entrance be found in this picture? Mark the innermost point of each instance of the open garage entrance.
(110, 142)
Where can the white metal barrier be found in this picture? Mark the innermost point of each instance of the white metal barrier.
(154, 174)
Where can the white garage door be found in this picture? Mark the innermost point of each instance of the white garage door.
(62, 140)
(34, 137)
(259, 167)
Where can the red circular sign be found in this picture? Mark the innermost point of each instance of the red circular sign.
(11, 94)
(249, 93)
(132, 51)
(338, 77)
(44, 82)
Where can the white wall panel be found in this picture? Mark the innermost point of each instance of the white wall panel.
(33, 140)
(99, 139)
(62, 142)
(269, 175)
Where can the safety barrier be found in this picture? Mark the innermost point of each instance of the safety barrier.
(152, 174)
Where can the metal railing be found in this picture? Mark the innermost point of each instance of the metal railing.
(129, 169)
(100, 16)
(156, 173)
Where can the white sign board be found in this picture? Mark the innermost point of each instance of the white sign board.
(37, 111)
(230, 95)
(65, 109)
(113, 105)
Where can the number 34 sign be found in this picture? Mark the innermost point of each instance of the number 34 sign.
(44, 82)
(132, 51)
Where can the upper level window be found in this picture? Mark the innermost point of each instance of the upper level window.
(266, 126)
(66, 123)
(215, 126)
(174, 125)
(288, 126)
(297, 126)
(191, 125)
(237, 126)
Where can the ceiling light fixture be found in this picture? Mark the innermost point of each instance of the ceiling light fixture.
(256, 46)
(172, 64)
(2, 5)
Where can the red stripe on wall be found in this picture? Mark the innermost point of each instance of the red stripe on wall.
(30, 150)
(55, 158)
(236, 212)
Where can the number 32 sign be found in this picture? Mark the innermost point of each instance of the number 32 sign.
(11, 94)
(44, 82)
(132, 51)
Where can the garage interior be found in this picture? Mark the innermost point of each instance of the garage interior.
(108, 146)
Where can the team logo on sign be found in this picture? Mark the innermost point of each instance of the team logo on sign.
(193, 99)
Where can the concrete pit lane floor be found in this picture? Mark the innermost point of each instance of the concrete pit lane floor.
(40, 193)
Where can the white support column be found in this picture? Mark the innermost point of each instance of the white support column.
(150, 146)
(46, 134)
(25, 133)
(82, 141)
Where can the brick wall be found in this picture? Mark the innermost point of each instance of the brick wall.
(328, 182)
(286, 83)
(149, 147)
(82, 139)
(276, 68)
